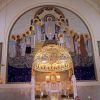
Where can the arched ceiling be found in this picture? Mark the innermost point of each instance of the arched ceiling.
(4, 3)
(93, 3)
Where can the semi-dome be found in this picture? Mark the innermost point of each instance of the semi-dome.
(52, 58)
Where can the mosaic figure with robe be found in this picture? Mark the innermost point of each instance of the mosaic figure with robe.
(12, 47)
(23, 45)
(83, 48)
(88, 44)
(18, 46)
(50, 28)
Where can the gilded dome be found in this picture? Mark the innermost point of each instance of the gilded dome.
(52, 58)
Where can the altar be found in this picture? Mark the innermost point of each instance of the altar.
(53, 73)
(53, 88)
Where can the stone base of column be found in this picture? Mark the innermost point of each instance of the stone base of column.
(33, 88)
(3, 75)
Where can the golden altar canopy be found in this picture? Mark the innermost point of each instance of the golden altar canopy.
(52, 58)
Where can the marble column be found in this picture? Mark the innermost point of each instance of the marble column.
(3, 75)
(33, 86)
(3, 66)
(74, 86)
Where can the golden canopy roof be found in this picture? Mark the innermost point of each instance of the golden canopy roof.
(52, 58)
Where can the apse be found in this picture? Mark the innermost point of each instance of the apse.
(52, 27)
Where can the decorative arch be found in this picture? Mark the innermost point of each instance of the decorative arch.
(71, 31)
